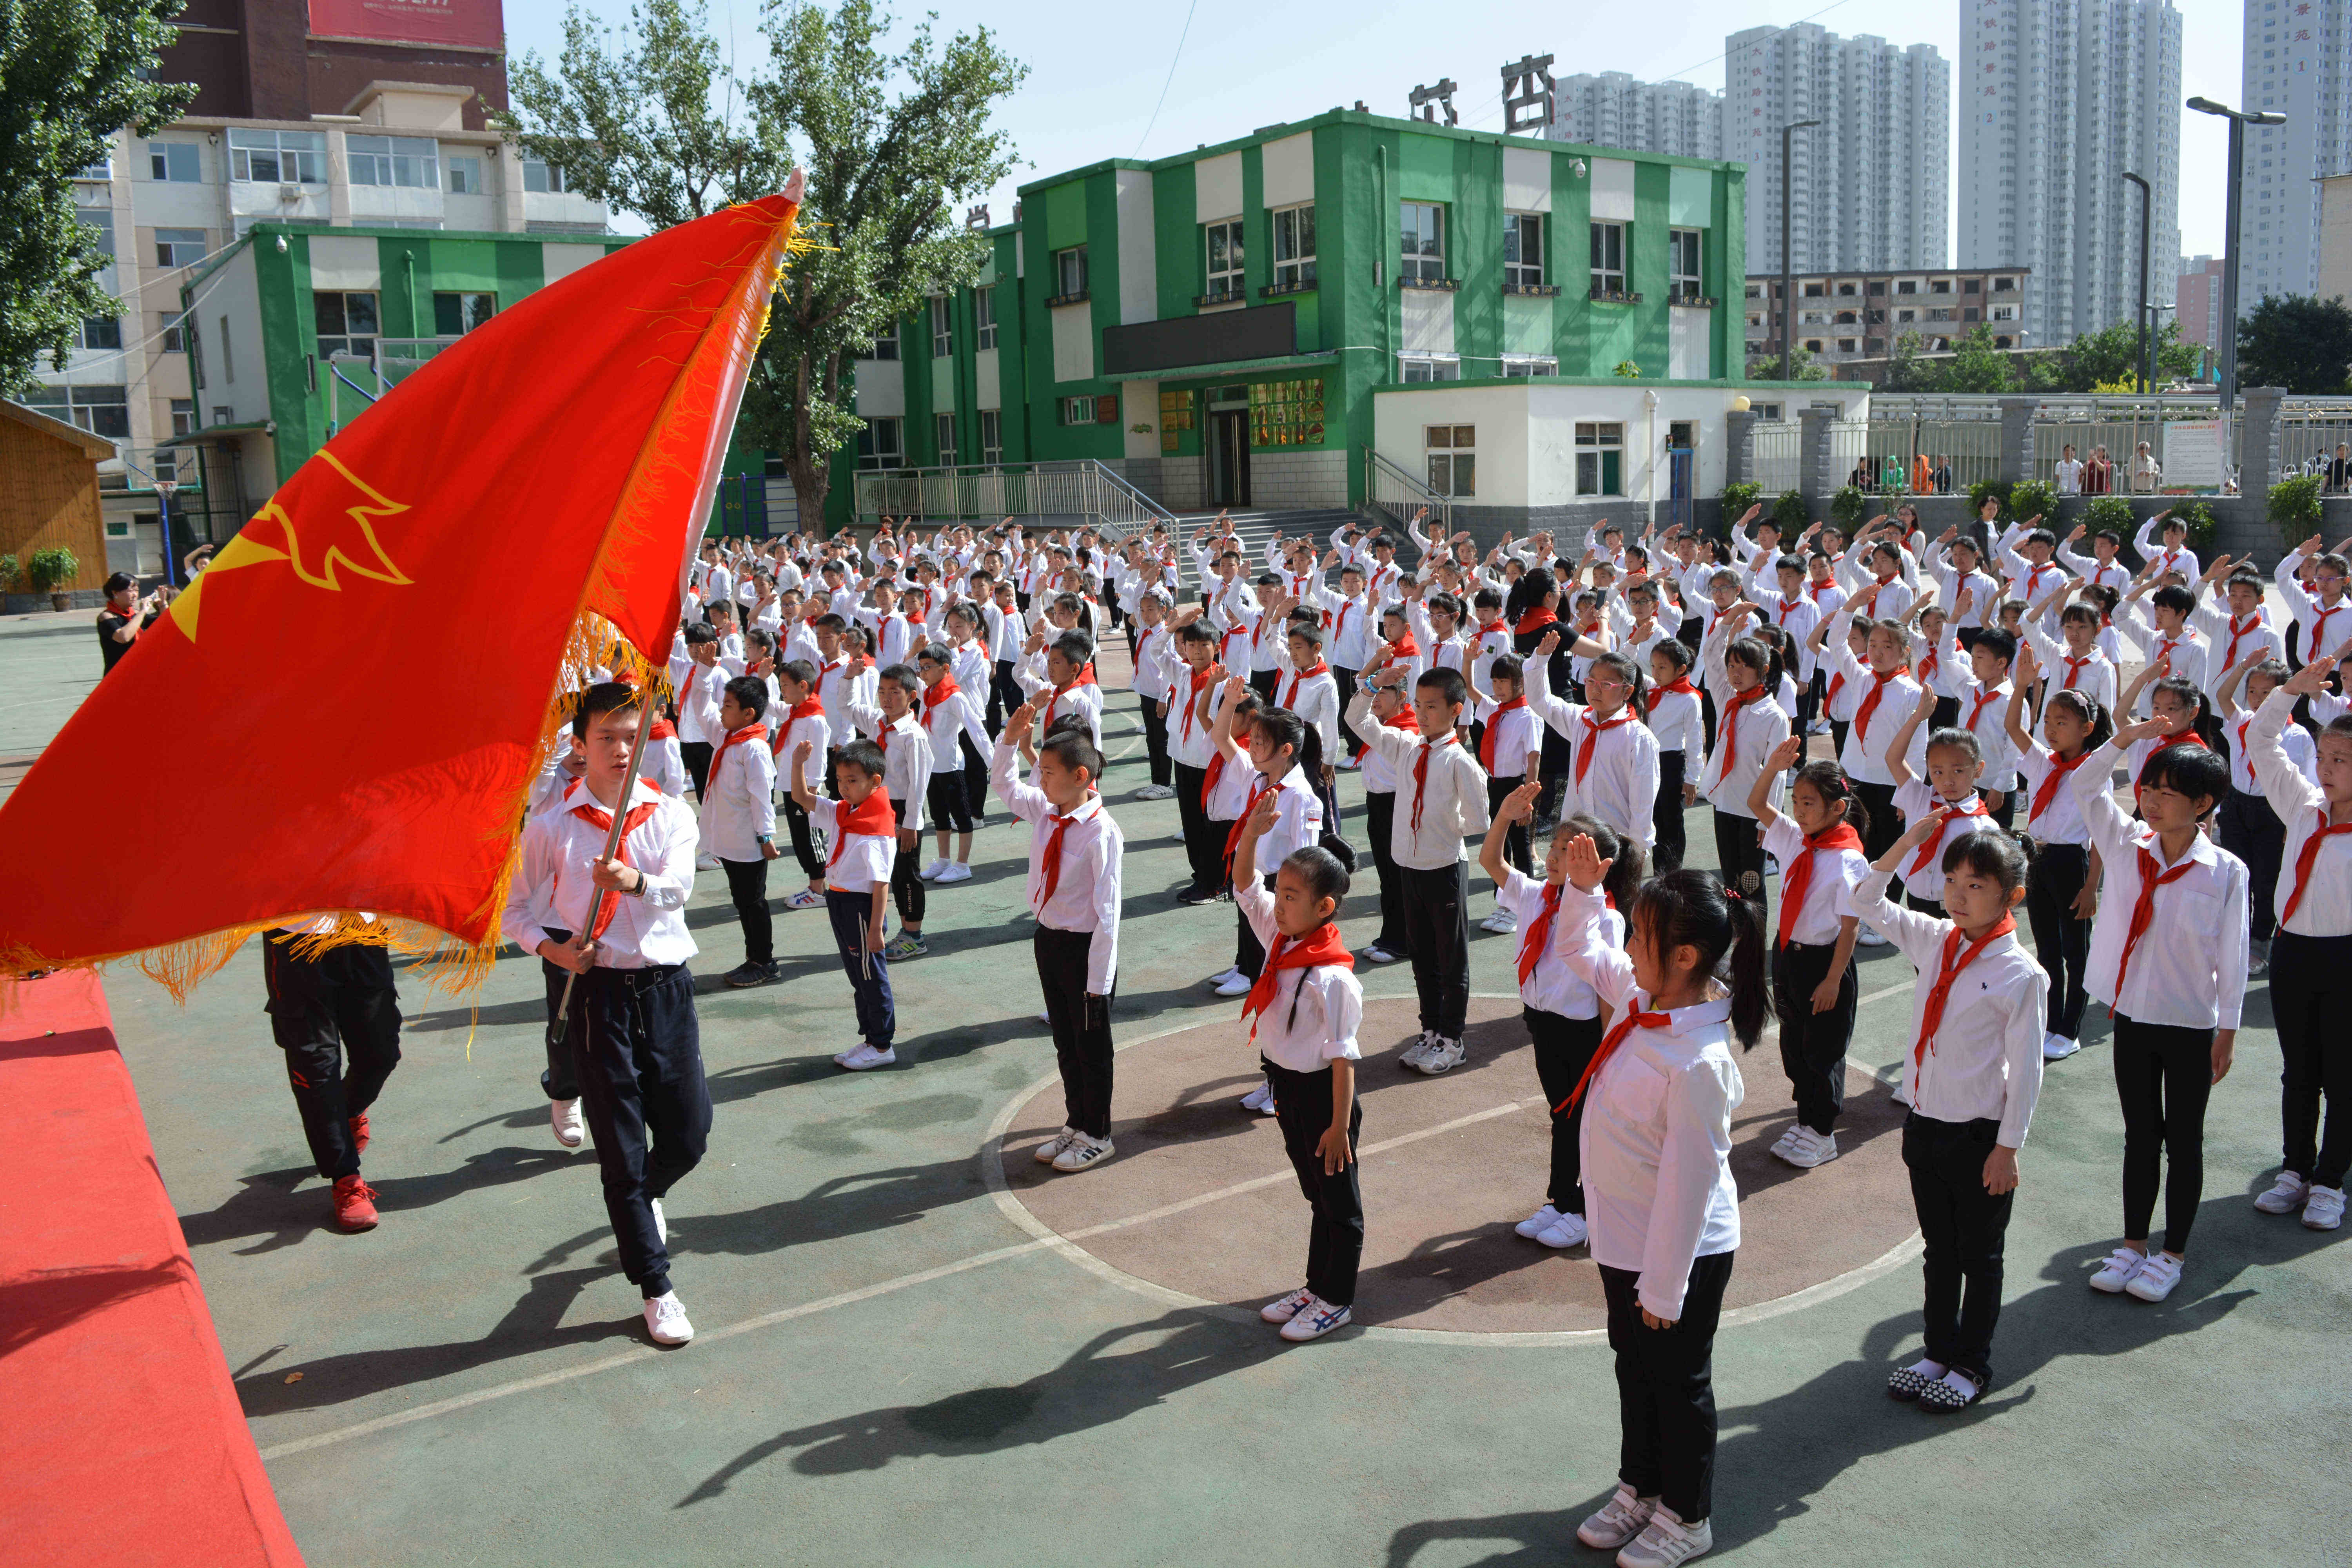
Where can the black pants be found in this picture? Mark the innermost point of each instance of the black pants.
(561, 1079)
(2164, 1075)
(1666, 816)
(1205, 848)
(1249, 954)
(1809, 702)
(1335, 1240)
(1081, 1025)
(1004, 696)
(1666, 1387)
(746, 884)
(1813, 1044)
(2005, 813)
(975, 781)
(1885, 827)
(950, 801)
(1740, 851)
(1515, 838)
(1945, 715)
(870, 972)
(336, 1018)
(697, 754)
(907, 883)
(1380, 827)
(1437, 934)
(1964, 1227)
(1265, 682)
(1837, 734)
(803, 836)
(639, 1050)
(1345, 680)
(1706, 712)
(2311, 982)
(1564, 1047)
(1558, 756)
(2252, 831)
(2062, 941)
(1155, 737)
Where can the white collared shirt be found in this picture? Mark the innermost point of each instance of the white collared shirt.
(1915, 799)
(1985, 1062)
(1657, 1134)
(855, 863)
(738, 809)
(1517, 734)
(1678, 723)
(1553, 986)
(698, 704)
(1313, 1018)
(1298, 815)
(1865, 757)
(1315, 701)
(555, 887)
(2061, 821)
(2189, 968)
(907, 758)
(1621, 783)
(1829, 893)
(1086, 893)
(1452, 792)
(2326, 906)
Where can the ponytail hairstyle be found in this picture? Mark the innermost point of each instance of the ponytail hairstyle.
(1675, 652)
(1628, 865)
(1828, 780)
(1691, 908)
(2092, 711)
(1534, 586)
(1631, 669)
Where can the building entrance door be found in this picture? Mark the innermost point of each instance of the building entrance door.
(1228, 450)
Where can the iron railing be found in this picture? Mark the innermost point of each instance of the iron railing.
(1084, 489)
(1391, 490)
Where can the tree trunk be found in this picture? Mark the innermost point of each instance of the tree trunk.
(812, 474)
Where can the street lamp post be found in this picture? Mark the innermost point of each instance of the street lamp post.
(2226, 350)
(1788, 289)
(2140, 303)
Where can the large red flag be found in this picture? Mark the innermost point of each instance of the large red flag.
(346, 711)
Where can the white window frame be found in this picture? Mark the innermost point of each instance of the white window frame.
(1608, 237)
(412, 162)
(1425, 262)
(1224, 249)
(171, 338)
(1294, 246)
(885, 344)
(299, 157)
(1417, 368)
(1524, 367)
(466, 174)
(992, 437)
(874, 453)
(167, 252)
(549, 177)
(351, 343)
(1594, 440)
(943, 437)
(1523, 232)
(1686, 264)
(943, 328)
(983, 313)
(1450, 458)
(1070, 268)
(1078, 410)
(164, 163)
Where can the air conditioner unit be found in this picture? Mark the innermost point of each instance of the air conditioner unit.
(289, 195)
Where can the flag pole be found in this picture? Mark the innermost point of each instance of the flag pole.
(560, 1023)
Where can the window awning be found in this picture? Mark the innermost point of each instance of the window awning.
(215, 432)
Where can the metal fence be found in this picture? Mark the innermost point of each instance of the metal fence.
(1085, 489)
(1779, 457)
(1391, 490)
(1961, 442)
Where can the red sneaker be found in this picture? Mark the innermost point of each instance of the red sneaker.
(354, 1204)
(360, 1132)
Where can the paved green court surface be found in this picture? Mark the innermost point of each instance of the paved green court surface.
(891, 1368)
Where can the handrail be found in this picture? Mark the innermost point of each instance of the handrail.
(1081, 487)
(1380, 475)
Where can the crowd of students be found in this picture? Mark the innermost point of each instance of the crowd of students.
(1562, 714)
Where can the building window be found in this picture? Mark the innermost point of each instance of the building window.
(455, 315)
(227, 353)
(175, 160)
(1078, 410)
(284, 157)
(1523, 253)
(1609, 259)
(1973, 286)
(885, 344)
(1422, 243)
(1908, 286)
(170, 336)
(992, 437)
(2004, 285)
(1907, 316)
(411, 161)
(1225, 242)
(101, 410)
(346, 325)
(1814, 291)
(1599, 459)
(983, 314)
(1522, 366)
(102, 220)
(1070, 273)
(2004, 312)
(538, 174)
(101, 169)
(1685, 265)
(183, 416)
(1294, 247)
(465, 176)
(224, 415)
(1812, 345)
(1941, 286)
(179, 246)
(1429, 367)
(1453, 462)
(882, 444)
(1968, 313)
(943, 328)
(943, 434)
(102, 331)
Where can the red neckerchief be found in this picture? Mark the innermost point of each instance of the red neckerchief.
(1192, 702)
(1615, 1037)
(1976, 709)
(1233, 834)
(1050, 861)
(1593, 730)
(872, 818)
(1086, 674)
(1539, 933)
(1799, 877)
(1421, 775)
(2144, 908)
(598, 818)
(1788, 606)
(1404, 647)
(1494, 730)
(2058, 768)
(1534, 621)
(1929, 851)
(1681, 683)
(1870, 702)
(2253, 622)
(1837, 684)
(1726, 727)
(2303, 861)
(2319, 631)
(735, 738)
(2074, 667)
(1297, 676)
(1931, 1016)
(808, 707)
(1324, 947)
(2186, 738)
(939, 692)
(1814, 590)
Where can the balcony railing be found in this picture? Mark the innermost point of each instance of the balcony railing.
(1085, 489)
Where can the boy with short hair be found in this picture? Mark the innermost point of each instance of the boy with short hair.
(1148, 638)
(739, 822)
(803, 721)
(863, 834)
(908, 757)
(698, 704)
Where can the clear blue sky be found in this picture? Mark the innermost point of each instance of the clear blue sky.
(1096, 71)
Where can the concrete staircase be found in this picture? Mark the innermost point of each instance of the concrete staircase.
(1254, 528)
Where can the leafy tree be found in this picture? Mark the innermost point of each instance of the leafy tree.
(2110, 357)
(2296, 341)
(1907, 368)
(71, 73)
(1977, 366)
(1790, 512)
(659, 125)
(1802, 366)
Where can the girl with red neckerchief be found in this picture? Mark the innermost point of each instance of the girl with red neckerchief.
(2062, 897)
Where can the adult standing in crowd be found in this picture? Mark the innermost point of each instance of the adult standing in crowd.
(126, 614)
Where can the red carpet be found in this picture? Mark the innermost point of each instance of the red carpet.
(123, 1443)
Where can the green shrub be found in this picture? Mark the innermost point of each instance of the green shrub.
(51, 567)
(2114, 512)
(1995, 488)
(1738, 497)
(2034, 498)
(1791, 513)
(2203, 526)
(1848, 507)
(2295, 507)
(7, 573)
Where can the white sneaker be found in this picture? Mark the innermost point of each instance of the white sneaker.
(665, 1319)
(1376, 954)
(2156, 1278)
(1810, 1149)
(1442, 1057)
(865, 1057)
(955, 871)
(661, 1221)
(2287, 1195)
(1619, 1521)
(1416, 1051)
(1046, 1018)
(2058, 1048)
(705, 862)
(1313, 1320)
(570, 1129)
(1541, 1220)
(1256, 1099)
(1221, 976)
(931, 873)
(1666, 1541)
(1564, 1232)
(2326, 1209)
(1235, 984)
(1281, 1312)
(1505, 923)
(2117, 1270)
(1155, 792)
(1084, 1151)
(1052, 1147)
(1868, 936)
(1782, 1144)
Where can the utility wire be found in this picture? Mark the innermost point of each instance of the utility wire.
(1164, 86)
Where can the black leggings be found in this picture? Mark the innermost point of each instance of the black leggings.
(951, 803)
(1666, 816)
(906, 884)
(1740, 854)
(1813, 1044)
(796, 822)
(1335, 1238)
(2062, 939)
(1563, 1047)
(1666, 1387)
(2311, 982)
(2252, 831)
(2164, 1075)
